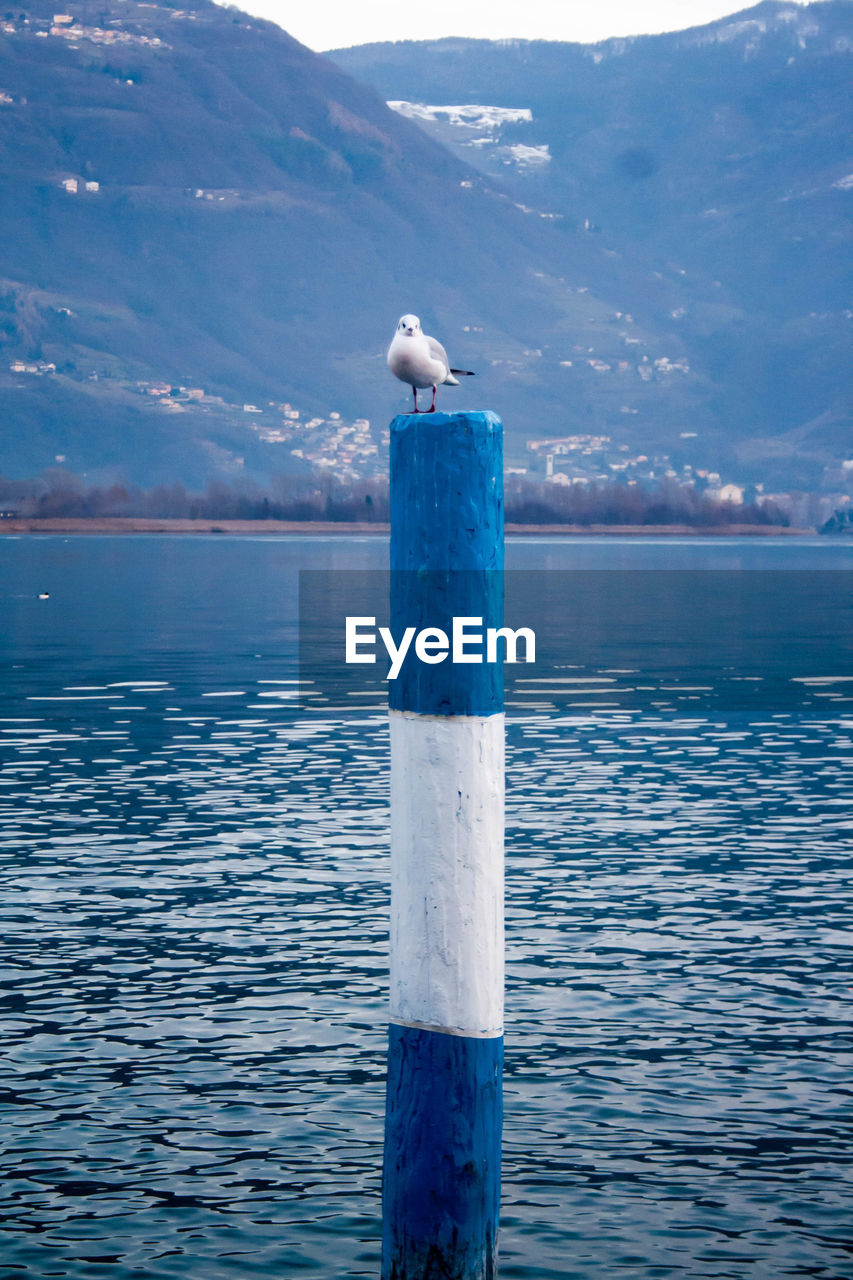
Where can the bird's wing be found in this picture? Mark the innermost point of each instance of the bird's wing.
(438, 352)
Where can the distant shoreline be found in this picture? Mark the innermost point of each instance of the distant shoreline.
(323, 528)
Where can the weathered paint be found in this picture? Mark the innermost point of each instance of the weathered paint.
(447, 856)
(433, 599)
(447, 491)
(441, 1179)
(441, 1174)
(447, 556)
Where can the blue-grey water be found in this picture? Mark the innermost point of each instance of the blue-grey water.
(193, 895)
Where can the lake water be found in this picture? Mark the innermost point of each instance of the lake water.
(193, 887)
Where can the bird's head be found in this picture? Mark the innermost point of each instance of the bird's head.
(409, 325)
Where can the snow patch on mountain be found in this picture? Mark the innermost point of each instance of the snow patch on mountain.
(481, 127)
(470, 115)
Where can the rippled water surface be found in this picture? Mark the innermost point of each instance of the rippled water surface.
(193, 887)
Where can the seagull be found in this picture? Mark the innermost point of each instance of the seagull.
(421, 361)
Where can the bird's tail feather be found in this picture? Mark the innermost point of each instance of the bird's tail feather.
(463, 373)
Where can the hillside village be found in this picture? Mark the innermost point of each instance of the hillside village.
(350, 450)
(65, 26)
(347, 450)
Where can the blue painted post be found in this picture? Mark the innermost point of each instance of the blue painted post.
(441, 1176)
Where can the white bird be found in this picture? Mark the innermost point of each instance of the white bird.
(421, 361)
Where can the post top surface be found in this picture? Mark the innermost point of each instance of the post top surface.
(470, 417)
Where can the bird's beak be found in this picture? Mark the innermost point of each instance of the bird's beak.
(410, 331)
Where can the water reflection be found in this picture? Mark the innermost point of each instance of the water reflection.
(193, 894)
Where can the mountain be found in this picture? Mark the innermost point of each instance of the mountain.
(192, 199)
(719, 157)
(207, 234)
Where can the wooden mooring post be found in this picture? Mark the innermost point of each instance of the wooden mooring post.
(441, 1174)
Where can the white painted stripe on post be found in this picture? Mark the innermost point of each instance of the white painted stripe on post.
(447, 857)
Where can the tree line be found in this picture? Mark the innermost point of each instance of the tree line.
(57, 493)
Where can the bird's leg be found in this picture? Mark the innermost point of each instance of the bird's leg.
(431, 409)
(415, 394)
